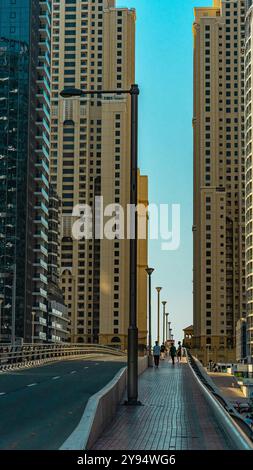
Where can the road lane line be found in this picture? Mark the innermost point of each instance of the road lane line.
(73, 372)
(56, 377)
(2, 393)
(31, 385)
(86, 367)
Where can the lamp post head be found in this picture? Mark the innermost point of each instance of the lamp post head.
(158, 289)
(164, 302)
(71, 92)
(167, 314)
(149, 271)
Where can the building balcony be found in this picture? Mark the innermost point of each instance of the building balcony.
(41, 235)
(40, 293)
(44, 44)
(40, 207)
(43, 112)
(44, 31)
(44, 17)
(43, 97)
(45, 6)
(43, 84)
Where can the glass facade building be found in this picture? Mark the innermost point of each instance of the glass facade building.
(24, 166)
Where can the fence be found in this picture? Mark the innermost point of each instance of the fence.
(35, 354)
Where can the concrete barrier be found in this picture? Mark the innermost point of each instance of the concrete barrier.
(240, 439)
(100, 410)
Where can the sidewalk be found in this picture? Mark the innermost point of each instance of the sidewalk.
(175, 415)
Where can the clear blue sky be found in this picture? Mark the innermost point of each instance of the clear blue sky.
(164, 73)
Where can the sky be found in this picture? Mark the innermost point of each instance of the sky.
(164, 72)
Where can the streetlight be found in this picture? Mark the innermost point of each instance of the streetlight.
(164, 302)
(149, 271)
(132, 357)
(33, 315)
(169, 323)
(166, 314)
(158, 313)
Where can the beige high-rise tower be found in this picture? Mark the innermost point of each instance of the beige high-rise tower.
(249, 180)
(93, 48)
(219, 214)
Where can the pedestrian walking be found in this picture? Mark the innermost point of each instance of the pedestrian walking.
(173, 353)
(179, 352)
(156, 354)
(163, 349)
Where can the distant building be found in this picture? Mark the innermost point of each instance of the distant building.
(219, 179)
(57, 319)
(90, 157)
(58, 330)
(249, 176)
(188, 337)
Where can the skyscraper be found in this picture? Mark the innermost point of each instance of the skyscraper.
(249, 181)
(24, 165)
(219, 212)
(93, 48)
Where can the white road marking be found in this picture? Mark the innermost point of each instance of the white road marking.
(73, 372)
(2, 393)
(56, 377)
(86, 367)
(31, 385)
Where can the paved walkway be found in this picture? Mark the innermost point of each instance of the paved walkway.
(175, 416)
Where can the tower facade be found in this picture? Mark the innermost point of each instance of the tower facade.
(93, 48)
(24, 166)
(219, 178)
(249, 178)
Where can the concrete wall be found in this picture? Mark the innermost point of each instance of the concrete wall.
(100, 410)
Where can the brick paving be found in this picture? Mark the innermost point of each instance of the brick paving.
(174, 416)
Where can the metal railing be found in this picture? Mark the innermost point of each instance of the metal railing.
(237, 428)
(35, 354)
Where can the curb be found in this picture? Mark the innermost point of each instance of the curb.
(239, 438)
(100, 410)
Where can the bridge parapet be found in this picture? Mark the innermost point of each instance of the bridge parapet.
(35, 354)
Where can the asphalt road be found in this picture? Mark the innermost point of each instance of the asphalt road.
(40, 407)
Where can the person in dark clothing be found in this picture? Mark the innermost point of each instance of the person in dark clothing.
(173, 353)
(163, 349)
(156, 353)
(179, 351)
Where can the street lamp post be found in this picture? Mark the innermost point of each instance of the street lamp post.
(158, 313)
(164, 304)
(169, 329)
(132, 369)
(166, 314)
(149, 271)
